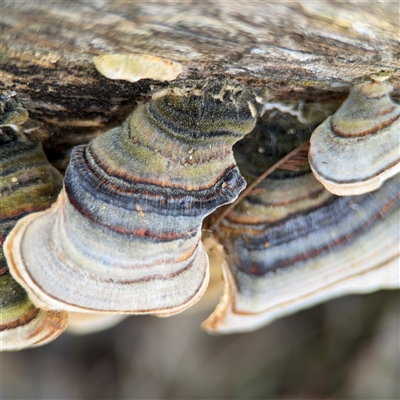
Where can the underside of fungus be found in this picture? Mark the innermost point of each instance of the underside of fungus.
(125, 233)
(292, 244)
(357, 149)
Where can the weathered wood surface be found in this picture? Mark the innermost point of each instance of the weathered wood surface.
(303, 50)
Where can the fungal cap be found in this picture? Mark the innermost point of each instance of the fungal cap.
(347, 245)
(125, 233)
(43, 268)
(22, 324)
(133, 67)
(357, 149)
(88, 323)
(11, 111)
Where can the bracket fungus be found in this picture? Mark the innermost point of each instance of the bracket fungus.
(22, 324)
(124, 236)
(28, 183)
(133, 67)
(293, 244)
(11, 111)
(125, 233)
(357, 149)
(87, 323)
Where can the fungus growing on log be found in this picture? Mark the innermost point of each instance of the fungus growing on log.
(125, 233)
(357, 149)
(28, 183)
(292, 244)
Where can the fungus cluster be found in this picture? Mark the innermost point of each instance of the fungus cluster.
(125, 234)
(28, 183)
(292, 243)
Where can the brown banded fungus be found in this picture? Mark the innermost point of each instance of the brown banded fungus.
(292, 244)
(125, 233)
(357, 149)
(28, 183)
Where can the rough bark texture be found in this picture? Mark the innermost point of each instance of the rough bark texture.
(299, 50)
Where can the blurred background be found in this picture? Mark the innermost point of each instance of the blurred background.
(347, 348)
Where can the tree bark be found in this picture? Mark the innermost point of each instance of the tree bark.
(299, 50)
